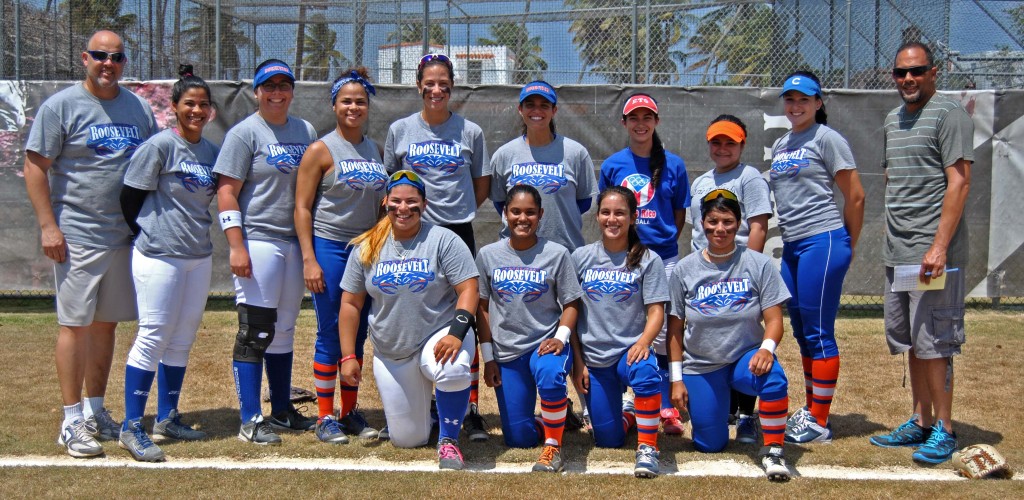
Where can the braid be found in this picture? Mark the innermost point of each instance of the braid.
(658, 160)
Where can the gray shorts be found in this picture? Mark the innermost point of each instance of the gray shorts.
(931, 322)
(95, 284)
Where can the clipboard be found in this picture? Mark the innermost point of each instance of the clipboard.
(907, 278)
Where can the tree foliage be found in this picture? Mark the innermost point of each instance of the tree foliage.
(413, 33)
(200, 40)
(748, 42)
(529, 65)
(321, 59)
(89, 16)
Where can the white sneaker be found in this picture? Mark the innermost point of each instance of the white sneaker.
(774, 464)
(77, 439)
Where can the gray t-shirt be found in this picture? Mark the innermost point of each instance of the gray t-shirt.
(90, 141)
(412, 285)
(349, 195)
(526, 291)
(918, 148)
(803, 167)
(748, 185)
(562, 172)
(447, 157)
(265, 157)
(175, 218)
(722, 305)
(614, 303)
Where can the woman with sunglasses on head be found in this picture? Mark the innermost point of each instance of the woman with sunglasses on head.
(558, 167)
(657, 177)
(166, 201)
(256, 198)
(338, 195)
(721, 295)
(448, 152)
(423, 286)
(623, 313)
(726, 137)
(529, 300)
(818, 242)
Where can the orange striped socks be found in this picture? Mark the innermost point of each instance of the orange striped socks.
(808, 365)
(648, 418)
(825, 373)
(349, 394)
(773, 420)
(474, 384)
(553, 414)
(323, 378)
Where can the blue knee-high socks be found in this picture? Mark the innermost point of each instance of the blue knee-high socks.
(137, 383)
(169, 382)
(451, 409)
(279, 378)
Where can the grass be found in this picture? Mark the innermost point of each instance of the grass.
(869, 400)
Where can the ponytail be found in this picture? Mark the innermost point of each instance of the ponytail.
(373, 241)
(657, 162)
(635, 249)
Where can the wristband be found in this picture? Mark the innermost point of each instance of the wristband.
(461, 324)
(675, 371)
(562, 334)
(230, 219)
(769, 345)
(487, 351)
(346, 358)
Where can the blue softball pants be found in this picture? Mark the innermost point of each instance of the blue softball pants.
(332, 256)
(813, 269)
(604, 400)
(522, 379)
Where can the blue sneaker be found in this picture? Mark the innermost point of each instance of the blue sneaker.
(329, 431)
(798, 417)
(939, 447)
(907, 434)
(647, 465)
(747, 429)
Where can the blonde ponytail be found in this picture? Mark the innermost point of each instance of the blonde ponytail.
(372, 241)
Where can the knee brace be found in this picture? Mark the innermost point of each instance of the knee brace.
(255, 332)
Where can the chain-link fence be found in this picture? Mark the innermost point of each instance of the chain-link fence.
(653, 42)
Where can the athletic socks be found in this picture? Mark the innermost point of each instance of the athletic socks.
(324, 376)
(451, 408)
(808, 365)
(137, 383)
(71, 413)
(648, 418)
(553, 414)
(824, 374)
(279, 379)
(349, 394)
(773, 420)
(248, 377)
(169, 382)
(474, 384)
(665, 386)
(92, 406)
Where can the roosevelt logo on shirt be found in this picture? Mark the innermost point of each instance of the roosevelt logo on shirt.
(196, 175)
(529, 282)
(598, 282)
(414, 274)
(360, 174)
(787, 164)
(440, 155)
(721, 296)
(546, 177)
(285, 157)
(109, 139)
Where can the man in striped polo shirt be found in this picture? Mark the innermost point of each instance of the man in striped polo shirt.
(928, 154)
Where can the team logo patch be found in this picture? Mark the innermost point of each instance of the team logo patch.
(195, 176)
(548, 178)
(720, 296)
(598, 282)
(529, 282)
(641, 186)
(788, 164)
(109, 139)
(285, 157)
(413, 274)
(362, 174)
(435, 155)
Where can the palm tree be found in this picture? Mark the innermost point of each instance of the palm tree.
(321, 58)
(412, 32)
(747, 41)
(604, 49)
(88, 16)
(199, 33)
(529, 65)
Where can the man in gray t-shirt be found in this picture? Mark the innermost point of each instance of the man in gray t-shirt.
(928, 154)
(75, 158)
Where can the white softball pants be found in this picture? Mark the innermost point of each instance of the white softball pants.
(276, 283)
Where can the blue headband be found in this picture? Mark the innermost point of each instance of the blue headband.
(352, 77)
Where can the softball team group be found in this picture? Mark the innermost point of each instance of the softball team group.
(382, 238)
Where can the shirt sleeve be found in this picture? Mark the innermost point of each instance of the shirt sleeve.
(773, 290)
(145, 167)
(391, 162)
(480, 165)
(499, 176)
(566, 279)
(836, 153)
(235, 158)
(485, 277)
(354, 279)
(587, 187)
(654, 281)
(681, 196)
(677, 292)
(46, 137)
(455, 260)
(956, 137)
(756, 195)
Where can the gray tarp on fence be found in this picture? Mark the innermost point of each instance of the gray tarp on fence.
(590, 114)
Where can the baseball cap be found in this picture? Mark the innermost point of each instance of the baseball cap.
(271, 68)
(801, 83)
(639, 101)
(541, 88)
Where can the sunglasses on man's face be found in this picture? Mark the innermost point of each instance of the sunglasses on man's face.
(102, 55)
(913, 70)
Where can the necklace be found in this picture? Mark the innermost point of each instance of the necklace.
(401, 250)
(720, 255)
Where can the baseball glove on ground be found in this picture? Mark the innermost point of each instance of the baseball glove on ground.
(297, 395)
(980, 461)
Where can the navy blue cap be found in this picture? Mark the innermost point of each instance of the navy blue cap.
(272, 68)
(541, 88)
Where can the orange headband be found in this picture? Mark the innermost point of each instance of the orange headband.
(728, 129)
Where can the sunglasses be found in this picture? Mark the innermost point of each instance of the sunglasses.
(913, 70)
(408, 176)
(269, 87)
(724, 193)
(434, 57)
(102, 55)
